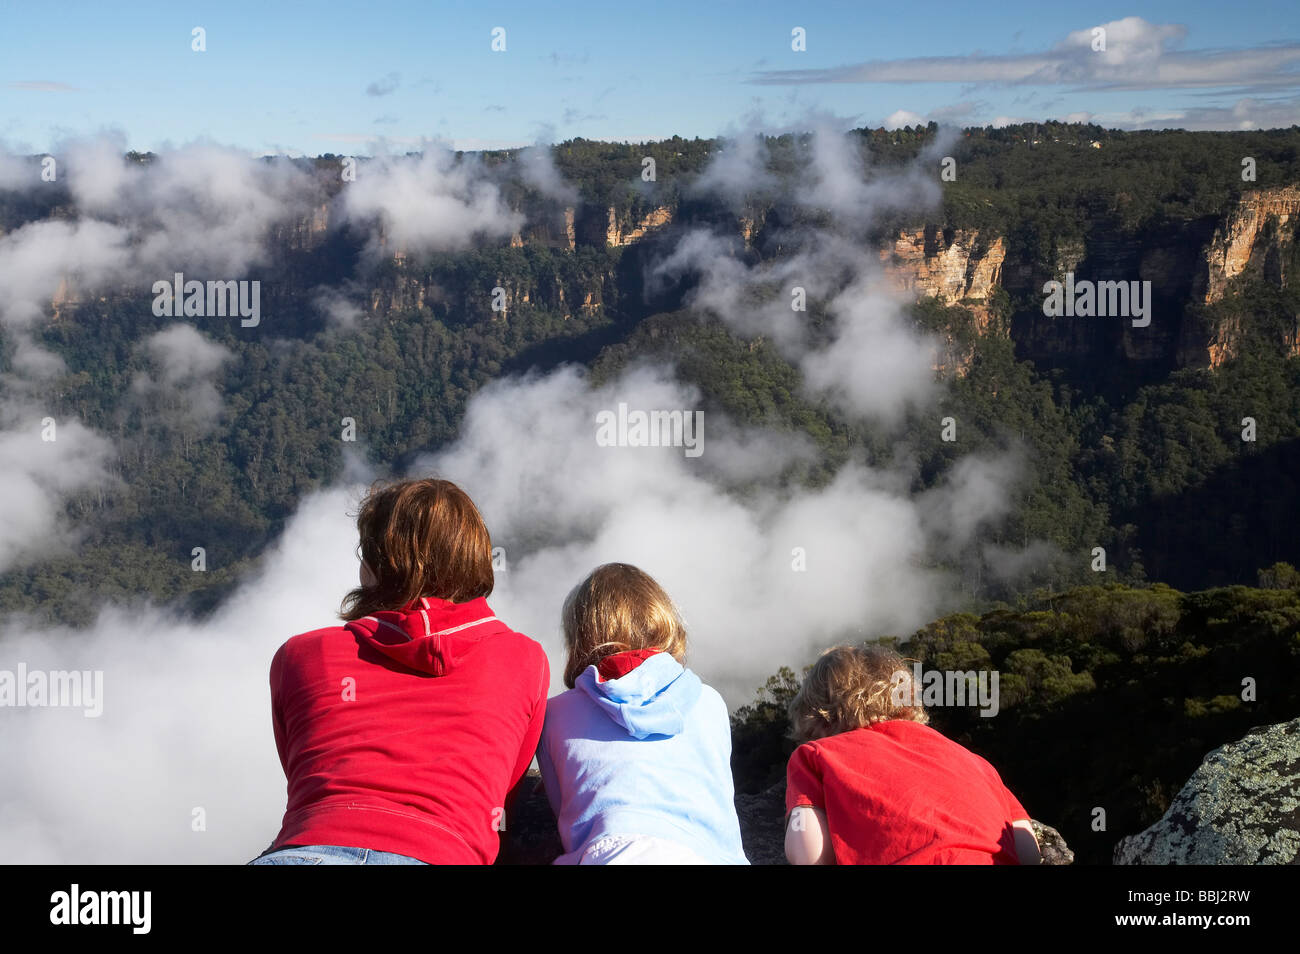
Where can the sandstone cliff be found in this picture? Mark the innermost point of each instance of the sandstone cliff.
(952, 265)
(64, 297)
(302, 233)
(409, 285)
(1258, 234)
(619, 233)
(1187, 266)
(549, 230)
(956, 267)
(1245, 237)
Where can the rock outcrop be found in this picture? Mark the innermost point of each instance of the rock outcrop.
(762, 825)
(1257, 234)
(546, 228)
(1242, 238)
(411, 284)
(953, 265)
(65, 297)
(1052, 845)
(1241, 807)
(302, 233)
(616, 234)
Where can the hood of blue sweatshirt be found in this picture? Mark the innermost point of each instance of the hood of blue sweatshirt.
(652, 699)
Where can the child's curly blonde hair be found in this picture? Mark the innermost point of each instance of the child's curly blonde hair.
(854, 686)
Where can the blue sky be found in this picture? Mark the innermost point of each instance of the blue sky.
(307, 78)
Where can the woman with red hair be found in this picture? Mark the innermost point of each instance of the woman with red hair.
(404, 732)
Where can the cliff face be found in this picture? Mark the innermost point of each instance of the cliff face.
(1245, 238)
(953, 265)
(1192, 264)
(549, 231)
(956, 266)
(301, 233)
(410, 287)
(960, 266)
(963, 267)
(622, 233)
(64, 297)
(1258, 235)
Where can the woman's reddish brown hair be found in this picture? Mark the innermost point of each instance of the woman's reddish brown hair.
(420, 538)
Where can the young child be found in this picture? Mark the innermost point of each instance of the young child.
(872, 783)
(636, 755)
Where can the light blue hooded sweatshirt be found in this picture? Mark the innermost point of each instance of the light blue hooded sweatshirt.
(646, 754)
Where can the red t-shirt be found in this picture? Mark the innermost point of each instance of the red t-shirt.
(406, 731)
(899, 792)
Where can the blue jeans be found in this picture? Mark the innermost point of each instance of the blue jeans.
(332, 855)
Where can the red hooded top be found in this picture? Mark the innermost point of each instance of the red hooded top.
(407, 731)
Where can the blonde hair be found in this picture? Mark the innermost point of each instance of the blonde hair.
(617, 608)
(854, 686)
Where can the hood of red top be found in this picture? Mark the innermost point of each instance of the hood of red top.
(431, 635)
(620, 664)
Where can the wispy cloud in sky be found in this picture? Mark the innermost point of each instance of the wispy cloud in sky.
(44, 86)
(1137, 55)
(382, 87)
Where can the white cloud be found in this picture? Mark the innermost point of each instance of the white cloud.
(538, 170)
(903, 117)
(198, 208)
(37, 476)
(1246, 113)
(739, 171)
(186, 717)
(37, 256)
(874, 364)
(16, 172)
(339, 306)
(429, 203)
(181, 391)
(44, 86)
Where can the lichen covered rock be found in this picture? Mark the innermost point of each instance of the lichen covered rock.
(1241, 807)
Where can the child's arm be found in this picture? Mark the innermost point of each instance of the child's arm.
(1026, 842)
(807, 839)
